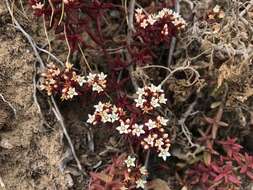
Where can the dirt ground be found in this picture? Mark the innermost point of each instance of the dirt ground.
(29, 154)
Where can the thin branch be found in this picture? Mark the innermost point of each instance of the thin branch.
(173, 40)
(9, 104)
(61, 121)
(182, 69)
(182, 120)
(129, 39)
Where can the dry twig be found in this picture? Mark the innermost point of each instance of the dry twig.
(9, 104)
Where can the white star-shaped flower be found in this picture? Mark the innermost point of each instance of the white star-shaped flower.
(91, 118)
(151, 20)
(159, 89)
(99, 107)
(144, 23)
(38, 5)
(140, 91)
(154, 102)
(81, 80)
(130, 161)
(153, 88)
(114, 117)
(159, 142)
(138, 130)
(143, 170)
(151, 124)
(216, 9)
(91, 77)
(139, 102)
(139, 10)
(162, 120)
(164, 153)
(105, 117)
(123, 128)
(96, 87)
(102, 76)
(140, 183)
(176, 15)
(150, 140)
(162, 99)
(71, 92)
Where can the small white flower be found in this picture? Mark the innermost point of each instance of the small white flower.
(144, 23)
(139, 102)
(140, 183)
(151, 124)
(72, 92)
(162, 120)
(138, 130)
(154, 102)
(150, 140)
(164, 153)
(99, 107)
(105, 117)
(123, 128)
(114, 117)
(153, 88)
(91, 118)
(161, 14)
(151, 20)
(130, 161)
(139, 10)
(80, 80)
(102, 76)
(91, 77)
(143, 170)
(38, 5)
(140, 91)
(162, 99)
(216, 9)
(176, 15)
(159, 142)
(96, 87)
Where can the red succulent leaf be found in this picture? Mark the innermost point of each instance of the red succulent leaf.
(234, 179)
(249, 174)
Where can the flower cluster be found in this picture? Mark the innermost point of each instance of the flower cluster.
(124, 173)
(165, 14)
(150, 132)
(105, 113)
(38, 6)
(150, 97)
(136, 172)
(216, 14)
(68, 83)
(163, 24)
(97, 81)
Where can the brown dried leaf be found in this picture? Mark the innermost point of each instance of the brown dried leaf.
(102, 176)
(158, 184)
(207, 158)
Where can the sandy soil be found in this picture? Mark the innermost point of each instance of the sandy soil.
(29, 154)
